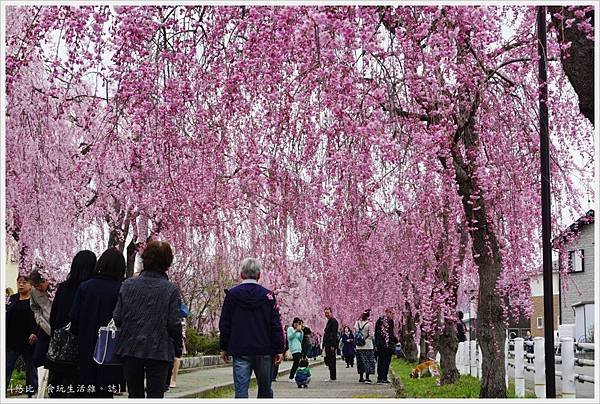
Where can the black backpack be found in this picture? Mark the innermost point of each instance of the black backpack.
(359, 338)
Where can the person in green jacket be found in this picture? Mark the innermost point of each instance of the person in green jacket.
(303, 374)
(294, 337)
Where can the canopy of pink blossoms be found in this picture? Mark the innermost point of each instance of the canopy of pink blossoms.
(318, 139)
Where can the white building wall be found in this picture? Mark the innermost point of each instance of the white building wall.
(11, 273)
(537, 285)
(579, 286)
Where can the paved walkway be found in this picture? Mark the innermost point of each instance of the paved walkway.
(346, 386)
(193, 383)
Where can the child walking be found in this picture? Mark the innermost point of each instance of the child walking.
(303, 374)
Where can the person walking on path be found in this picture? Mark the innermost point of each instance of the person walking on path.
(365, 358)
(82, 268)
(306, 341)
(330, 343)
(172, 377)
(148, 314)
(386, 342)
(251, 331)
(41, 304)
(348, 347)
(295, 337)
(93, 307)
(529, 346)
(461, 328)
(21, 337)
(316, 346)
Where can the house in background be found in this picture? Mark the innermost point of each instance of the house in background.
(537, 300)
(518, 327)
(11, 272)
(577, 286)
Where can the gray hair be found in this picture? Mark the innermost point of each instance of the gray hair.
(250, 268)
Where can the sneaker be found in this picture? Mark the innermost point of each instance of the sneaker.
(299, 386)
(329, 380)
(361, 380)
(291, 381)
(367, 381)
(385, 381)
(380, 381)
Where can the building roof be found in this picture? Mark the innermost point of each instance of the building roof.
(582, 303)
(574, 228)
(555, 268)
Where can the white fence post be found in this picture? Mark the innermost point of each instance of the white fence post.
(506, 361)
(519, 369)
(539, 364)
(479, 361)
(568, 367)
(465, 360)
(459, 358)
(473, 357)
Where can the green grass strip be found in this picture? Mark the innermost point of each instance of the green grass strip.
(466, 387)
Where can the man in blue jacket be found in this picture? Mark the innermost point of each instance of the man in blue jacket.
(251, 332)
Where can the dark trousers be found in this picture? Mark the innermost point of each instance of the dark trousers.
(169, 374)
(383, 363)
(155, 373)
(31, 376)
(349, 360)
(65, 376)
(296, 356)
(330, 361)
(275, 372)
(41, 349)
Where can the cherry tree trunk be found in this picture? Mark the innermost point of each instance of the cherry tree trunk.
(407, 339)
(486, 253)
(491, 330)
(578, 60)
(423, 347)
(131, 254)
(448, 346)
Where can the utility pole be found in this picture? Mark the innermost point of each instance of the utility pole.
(546, 230)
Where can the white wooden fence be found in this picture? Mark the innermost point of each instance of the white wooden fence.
(567, 359)
(469, 359)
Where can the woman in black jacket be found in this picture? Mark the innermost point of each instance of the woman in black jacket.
(82, 269)
(147, 314)
(21, 335)
(93, 306)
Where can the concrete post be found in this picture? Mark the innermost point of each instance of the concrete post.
(473, 358)
(42, 382)
(539, 364)
(519, 368)
(479, 361)
(506, 361)
(568, 367)
(459, 357)
(465, 361)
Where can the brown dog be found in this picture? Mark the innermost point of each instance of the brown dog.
(429, 365)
